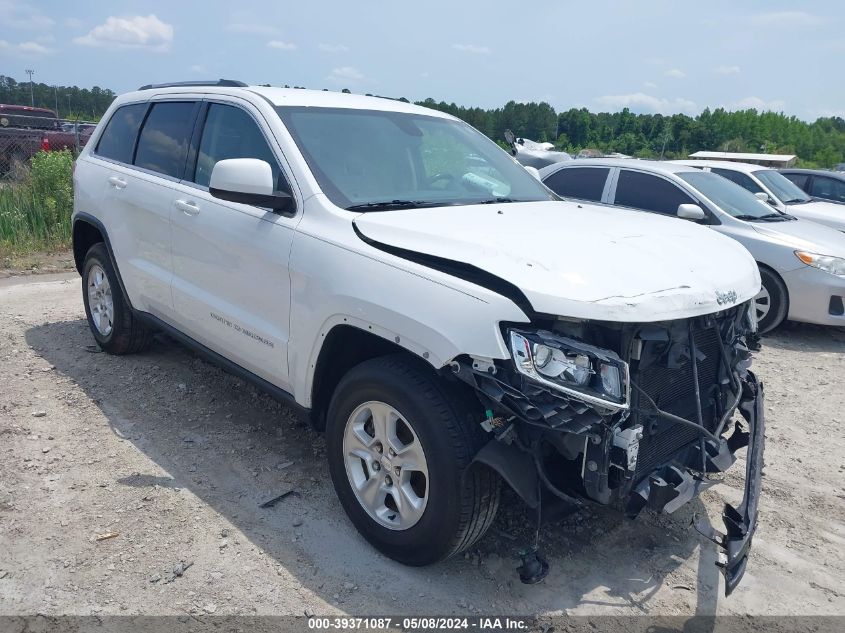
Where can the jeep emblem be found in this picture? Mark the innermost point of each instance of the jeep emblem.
(725, 297)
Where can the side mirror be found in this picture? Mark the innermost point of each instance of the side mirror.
(691, 212)
(248, 181)
(762, 195)
(534, 172)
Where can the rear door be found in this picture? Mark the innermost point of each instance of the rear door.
(231, 285)
(827, 188)
(141, 155)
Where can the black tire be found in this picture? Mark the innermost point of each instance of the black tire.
(128, 335)
(462, 499)
(778, 301)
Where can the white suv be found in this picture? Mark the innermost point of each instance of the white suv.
(446, 319)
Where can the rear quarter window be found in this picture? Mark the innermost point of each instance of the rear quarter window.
(583, 183)
(118, 138)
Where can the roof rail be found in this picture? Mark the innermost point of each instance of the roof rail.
(223, 83)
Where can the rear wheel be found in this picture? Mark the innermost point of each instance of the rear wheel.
(772, 302)
(112, 323)
(400, 444)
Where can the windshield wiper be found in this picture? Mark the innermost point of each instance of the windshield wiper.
(497, 200)
(774, 217)
(394, 204)
(798, 201)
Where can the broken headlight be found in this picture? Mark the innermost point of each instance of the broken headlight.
(594, 375)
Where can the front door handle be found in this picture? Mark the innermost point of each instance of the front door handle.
(116, 182)
(188, 208)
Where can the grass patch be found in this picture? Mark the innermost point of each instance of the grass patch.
(35, 210)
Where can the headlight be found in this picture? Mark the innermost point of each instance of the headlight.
(593, 375)
(827, 263)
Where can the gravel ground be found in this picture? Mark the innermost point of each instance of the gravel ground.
(166, 460)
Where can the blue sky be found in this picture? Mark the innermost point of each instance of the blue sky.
(652, 56)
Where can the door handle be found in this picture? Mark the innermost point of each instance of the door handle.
(117, 183)
(188, 208)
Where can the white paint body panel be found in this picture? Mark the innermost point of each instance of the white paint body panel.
(579, 260)
(290, 280)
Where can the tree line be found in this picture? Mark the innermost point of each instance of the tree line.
(818, 143)
(69, 102)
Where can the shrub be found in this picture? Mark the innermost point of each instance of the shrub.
(35, 212)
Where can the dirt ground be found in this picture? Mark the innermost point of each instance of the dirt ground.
(173, 458)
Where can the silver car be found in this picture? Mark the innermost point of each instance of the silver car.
(802, 264)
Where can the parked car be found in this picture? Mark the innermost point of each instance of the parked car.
(819, 183)
(24, 131)
(416, 294)
(776, 189)
(802, 264)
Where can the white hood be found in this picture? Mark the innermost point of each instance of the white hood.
(827, 213)
(582, 261)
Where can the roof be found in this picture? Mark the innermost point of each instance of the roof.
(664, 167)
(839, 175)
(724, 164)
(739, 156)
(295, 97)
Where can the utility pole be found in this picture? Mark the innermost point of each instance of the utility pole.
(31, 93)
(56, 88)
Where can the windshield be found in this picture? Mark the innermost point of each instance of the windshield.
(784, 189)
(375, 160)
(727, 195)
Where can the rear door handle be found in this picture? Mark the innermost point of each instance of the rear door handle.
(188, 208)
(117, 183)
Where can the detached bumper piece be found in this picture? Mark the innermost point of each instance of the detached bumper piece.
(741, 522)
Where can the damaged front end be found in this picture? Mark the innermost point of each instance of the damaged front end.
(630, 414)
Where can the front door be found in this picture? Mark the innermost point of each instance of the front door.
(231, 286)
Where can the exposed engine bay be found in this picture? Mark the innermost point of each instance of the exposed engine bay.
(633, 415)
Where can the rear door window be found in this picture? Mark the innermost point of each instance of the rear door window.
(650, 193)
(163, 143)
(118, 139)
(743, 180)
(582, 183)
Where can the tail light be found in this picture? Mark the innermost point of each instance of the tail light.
(45, 144)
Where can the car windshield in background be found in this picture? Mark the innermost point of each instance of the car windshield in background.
(729, 196)
(372, 160)
(784, 189)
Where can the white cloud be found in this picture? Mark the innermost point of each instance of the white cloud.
(642, 102)
(756, 103)
(256, 29)
(676, 73)
(135, 31)
(280, 45)
(727, 70)
(650, 84)
(22, 16)
(333, 48)
(25, 49)
(33, 48)
(345, 74)
(786, 19)
(198, 69)
(472, 48)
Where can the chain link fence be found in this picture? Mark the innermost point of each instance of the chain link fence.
(24, 134)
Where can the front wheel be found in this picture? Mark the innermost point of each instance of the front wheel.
(771, 303)
(400, 445)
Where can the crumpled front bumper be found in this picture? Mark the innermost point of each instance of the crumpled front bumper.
(741, 522)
